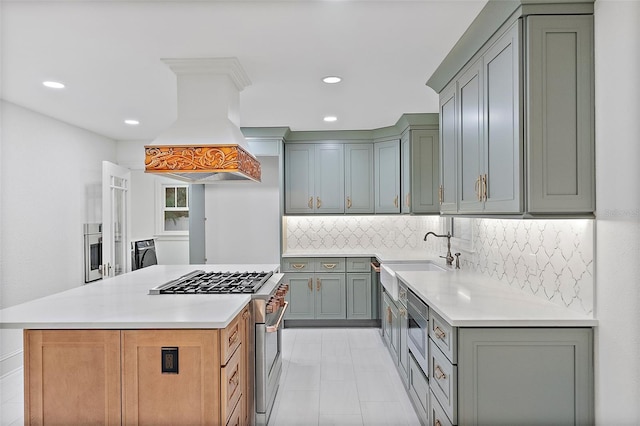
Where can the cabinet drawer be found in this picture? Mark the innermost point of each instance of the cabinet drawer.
(358, 264)
(443, 378)
(231, 337)
(444, 335)
(437, 415)
(235, 419)
(231, 380)
(298, 264)
(418, 388)
(330, 264)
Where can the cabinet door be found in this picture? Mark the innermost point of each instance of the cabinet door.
(300, 296)
(299, 174)
(470, 137)
(63, 367)
(330, 296)
(560, 114)
(386, 319)
(425, 158)
(394, 332)
(503, 149)
(405, 167)
(358, 176)
(448, 153)
(525, 376)
(151, 396)
(403, 348)
(387, 176)
(329, 179)
(359, 296)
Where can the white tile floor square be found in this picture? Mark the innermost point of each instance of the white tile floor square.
(334, 376)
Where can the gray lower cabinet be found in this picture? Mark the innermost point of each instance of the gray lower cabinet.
(391, 326)
(522, 114)
(325, 289)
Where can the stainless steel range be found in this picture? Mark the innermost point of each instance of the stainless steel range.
(268, 307)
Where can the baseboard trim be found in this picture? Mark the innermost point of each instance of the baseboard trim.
(11, 362)
(331, 323)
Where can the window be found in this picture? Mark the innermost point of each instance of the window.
(175, 212)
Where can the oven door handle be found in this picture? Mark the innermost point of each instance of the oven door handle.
(276, 326)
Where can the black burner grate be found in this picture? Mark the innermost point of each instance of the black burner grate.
(200, 282)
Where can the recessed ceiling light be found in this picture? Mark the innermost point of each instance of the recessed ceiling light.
(330, 118)
(131, 122)
(53, 84)
(332, 79)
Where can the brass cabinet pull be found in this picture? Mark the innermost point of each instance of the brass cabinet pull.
(439, 373)
(389, 315)
(395, 201)
(441, 194)
(310, 284)
(478, 188)
(403, 294)
(439, 333)
(310, 203)
(407, 199)
(298, 265)
(233, 337)
(318, 284)
(437, 423)
(234, 380)
(348, 202)
(245, 315)
(484, 187)
(329, 265)
(318, 202)
(403, 312)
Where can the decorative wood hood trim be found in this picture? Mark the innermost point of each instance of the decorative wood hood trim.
(201, 161)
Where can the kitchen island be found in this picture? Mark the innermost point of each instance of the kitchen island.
(110, 353)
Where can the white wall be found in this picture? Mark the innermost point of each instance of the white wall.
(243, 219)
(51, 185)
(617, 357)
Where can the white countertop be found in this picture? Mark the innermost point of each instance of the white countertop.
(123, 302)
(468, 299)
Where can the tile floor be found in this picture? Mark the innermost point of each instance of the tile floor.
(333, 376)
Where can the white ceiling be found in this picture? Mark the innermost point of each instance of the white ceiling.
(108, 54)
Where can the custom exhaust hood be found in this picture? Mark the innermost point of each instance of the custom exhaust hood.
(205, 144)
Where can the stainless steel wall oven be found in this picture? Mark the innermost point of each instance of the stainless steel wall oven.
(92, 252)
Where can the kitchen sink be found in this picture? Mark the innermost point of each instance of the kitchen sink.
(388, 271)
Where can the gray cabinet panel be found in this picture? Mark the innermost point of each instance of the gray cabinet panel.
(387, 176)
(425, 158)
(329, 178)
(503, 160)
(448, 152)
(330, 296)
(300, 296)
(358, 160)
(470, 139)
(403, 348)
(561, 132)
(406, 167)
(359, 296)
(299, 178)
(525, 376)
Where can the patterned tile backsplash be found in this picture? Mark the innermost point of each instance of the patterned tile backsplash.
(551, 259)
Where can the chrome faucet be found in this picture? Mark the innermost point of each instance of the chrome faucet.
(449, 256)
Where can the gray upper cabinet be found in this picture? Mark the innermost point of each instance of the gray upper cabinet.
(358, 178)
(387, 176)
(314, 178)
(448, 193)
(521, 110)
(420, 171)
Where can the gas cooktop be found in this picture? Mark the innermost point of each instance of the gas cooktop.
(201, 282)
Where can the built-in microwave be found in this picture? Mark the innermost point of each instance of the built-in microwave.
(418, 331)
(92, 252)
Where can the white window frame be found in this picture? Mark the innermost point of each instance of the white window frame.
(161, 185)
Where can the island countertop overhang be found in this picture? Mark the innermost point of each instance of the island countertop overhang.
(123, 302)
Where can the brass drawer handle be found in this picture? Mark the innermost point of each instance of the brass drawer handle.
(298, 265)
(477, 188)
(437, 423)
(310, 203)
(440, 334)
(310, 284)
(403, 312)
(375, 267)
(389, 315)
(318, 203)
(484, 187)
(318, 284)
(439, 373)
(441, 194)
(233, 338)
(329, 265)
(348, 202)
(395, 201)
(234, 379)
(407, 199)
